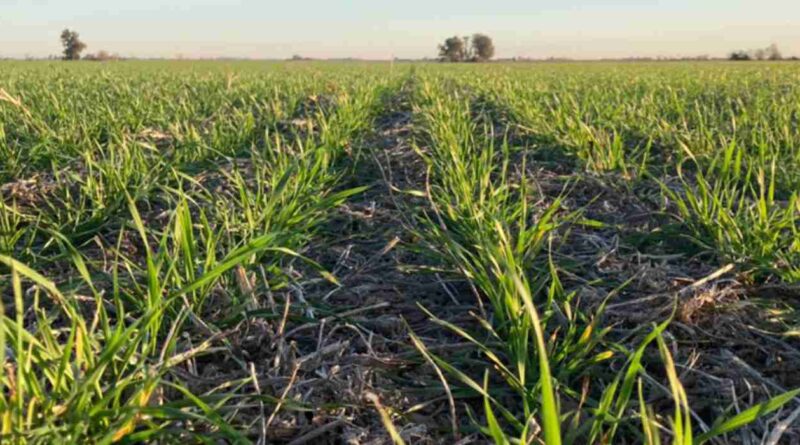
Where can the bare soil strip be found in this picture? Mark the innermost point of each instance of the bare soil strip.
(362, 353)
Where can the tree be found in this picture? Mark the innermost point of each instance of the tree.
(453, 50)
(482, 47)
(73, 46)
(477, 48)
(773, 53)
(739, 55)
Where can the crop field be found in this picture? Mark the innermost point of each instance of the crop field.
(370, 253)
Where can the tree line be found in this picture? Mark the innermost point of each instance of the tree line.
(476, 48)
(769, 53)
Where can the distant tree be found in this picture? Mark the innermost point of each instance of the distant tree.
(73, 46)
(739, 55)
(101, 56)
(453, 50)
(773, 53)
(769, 53)
(482, 47)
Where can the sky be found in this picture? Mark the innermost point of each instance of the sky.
(383, 29)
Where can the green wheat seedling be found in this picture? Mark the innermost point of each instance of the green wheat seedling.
(535, 341)
(150, 212)
(732, 208)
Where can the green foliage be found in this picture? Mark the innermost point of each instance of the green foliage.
(133, 195)
(536, 343)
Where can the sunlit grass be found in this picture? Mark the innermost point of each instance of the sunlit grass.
(139, 200)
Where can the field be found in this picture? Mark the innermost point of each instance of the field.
(369, 253)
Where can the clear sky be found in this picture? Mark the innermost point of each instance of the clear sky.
(381, 29)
